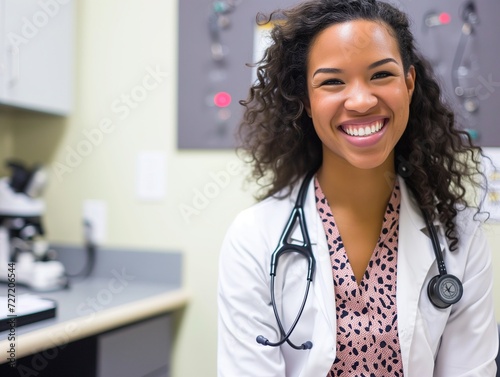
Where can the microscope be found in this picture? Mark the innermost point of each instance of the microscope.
(22, 243)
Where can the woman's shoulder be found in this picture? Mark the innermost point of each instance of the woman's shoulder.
(469, 220)
(264, 220)
(255, 231)
(264, 212)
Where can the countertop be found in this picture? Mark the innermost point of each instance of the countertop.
(114, 296)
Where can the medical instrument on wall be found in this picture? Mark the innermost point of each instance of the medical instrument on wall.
(443, 289)
(218, 21)
(464, 70)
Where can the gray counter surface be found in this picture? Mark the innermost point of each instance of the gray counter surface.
(120, 291)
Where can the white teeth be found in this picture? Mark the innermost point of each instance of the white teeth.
(365, 130)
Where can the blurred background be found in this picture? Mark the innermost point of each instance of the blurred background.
(133, 120)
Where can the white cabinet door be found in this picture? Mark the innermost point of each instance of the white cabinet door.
(37, 54)
(3, 56)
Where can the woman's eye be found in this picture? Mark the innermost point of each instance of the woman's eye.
(332, 82)
(381, 75)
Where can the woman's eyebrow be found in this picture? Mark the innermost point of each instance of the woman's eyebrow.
(371, 66)
(382, 62)
(327, 70)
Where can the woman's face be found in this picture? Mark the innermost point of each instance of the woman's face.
(359, 95)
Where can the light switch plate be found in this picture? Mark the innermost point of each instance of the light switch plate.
(151, 175)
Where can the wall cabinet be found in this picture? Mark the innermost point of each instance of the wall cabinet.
(36, 54)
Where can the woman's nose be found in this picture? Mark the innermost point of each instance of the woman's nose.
(360, 99)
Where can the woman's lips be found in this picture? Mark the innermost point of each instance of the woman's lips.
(365, 134)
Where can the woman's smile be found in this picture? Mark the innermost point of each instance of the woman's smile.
(365, 129)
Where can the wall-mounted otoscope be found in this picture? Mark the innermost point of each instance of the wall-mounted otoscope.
(463, 68)
(219, 20)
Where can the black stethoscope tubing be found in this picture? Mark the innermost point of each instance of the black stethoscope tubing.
(284, 246)
(443, 290)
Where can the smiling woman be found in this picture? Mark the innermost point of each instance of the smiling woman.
(344, 99)
(348, 95)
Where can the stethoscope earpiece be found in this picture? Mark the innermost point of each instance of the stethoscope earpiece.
(444, 290)
(262, 340)
(265, 342)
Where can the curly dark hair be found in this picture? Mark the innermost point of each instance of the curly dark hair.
(434, 156)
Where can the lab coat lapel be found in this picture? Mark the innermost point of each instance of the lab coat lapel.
(323, 287)
(415, 258)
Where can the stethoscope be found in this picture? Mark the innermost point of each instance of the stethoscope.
(443, 289)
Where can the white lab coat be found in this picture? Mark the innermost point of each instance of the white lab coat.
(461, 340)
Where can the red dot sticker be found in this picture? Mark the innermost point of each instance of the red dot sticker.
(444, 18)
(222, 99)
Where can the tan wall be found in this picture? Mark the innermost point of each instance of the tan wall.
(5, 138)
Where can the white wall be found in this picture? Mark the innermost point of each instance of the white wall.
(118, 41)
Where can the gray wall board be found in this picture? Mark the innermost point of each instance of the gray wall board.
(202, 125)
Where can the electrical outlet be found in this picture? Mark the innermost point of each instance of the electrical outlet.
(95, 212)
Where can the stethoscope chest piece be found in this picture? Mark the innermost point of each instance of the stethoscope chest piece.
(445, 290)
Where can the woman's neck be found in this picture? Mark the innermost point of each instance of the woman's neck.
(365, 190)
